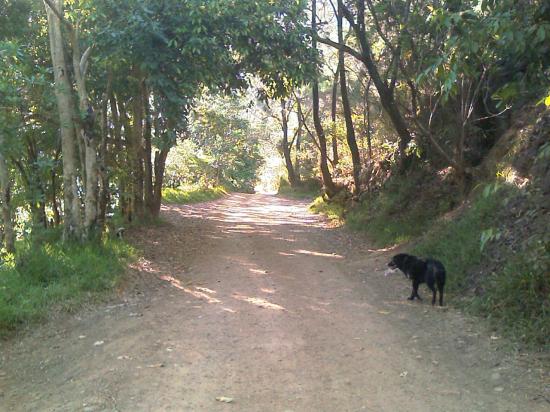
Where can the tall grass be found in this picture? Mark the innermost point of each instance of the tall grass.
(55, 275)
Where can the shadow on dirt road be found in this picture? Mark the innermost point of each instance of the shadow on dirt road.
(253, 299)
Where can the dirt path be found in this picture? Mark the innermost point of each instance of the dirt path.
(252, 298)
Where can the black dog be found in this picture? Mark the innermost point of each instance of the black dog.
(430, 271)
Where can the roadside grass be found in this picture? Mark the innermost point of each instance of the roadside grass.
(516, 299)
(52, 275)
(514, 295)
(192, 194)
(333, 209)
(402, 210)
(308, 189)
(456, 242)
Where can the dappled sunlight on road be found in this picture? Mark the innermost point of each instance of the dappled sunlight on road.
(243, 224)
(260, 302)
(320, 254)
(258, 211)
(197, 292)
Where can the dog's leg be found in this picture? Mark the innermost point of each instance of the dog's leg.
(414, 292)
(431, 285)
(440, 286)
(433, 293)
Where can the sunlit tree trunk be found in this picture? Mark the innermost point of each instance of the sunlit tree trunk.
(72, 218)
(88, 136)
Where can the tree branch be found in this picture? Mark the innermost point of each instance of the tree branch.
(58, 14)
(337, 46)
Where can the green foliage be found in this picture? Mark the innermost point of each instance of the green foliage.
(495, 42)
(186, 195)
(229, 147)
(57, 276)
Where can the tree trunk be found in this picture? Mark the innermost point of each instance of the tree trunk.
(328, 183)
(297, 168)
(136, 155)
(333, 117)
(55, 204)
(366, 115)
(72, 219)
(350, 131)
(88, 137)
(286, 146)
(124, 159)
(147, 152)
(104, 192)
(160, 164)
(384, 91)
(5, 199)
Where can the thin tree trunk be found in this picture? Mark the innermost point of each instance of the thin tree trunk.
(126, 180)
(286, 147)
(5, 199)
(330, 187)
(136, 153)
(350, 131)
(87, 135)
(104, 193)
(368, 125)
(384, 91)
(72, 218)
(333, 117)
(147, 152)
(160, 164)
(297, 167)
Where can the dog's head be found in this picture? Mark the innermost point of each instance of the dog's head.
(398, 262)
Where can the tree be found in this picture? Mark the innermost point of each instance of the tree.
(330, 187)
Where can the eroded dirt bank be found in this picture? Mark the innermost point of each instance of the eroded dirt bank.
(253, 298)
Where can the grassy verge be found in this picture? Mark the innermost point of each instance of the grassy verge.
(308, 189)
(333, 209)
(192, 194)
(401, 211)
(512, 287)
(49, 276)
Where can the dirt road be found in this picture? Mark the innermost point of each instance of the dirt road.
(254, 299)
